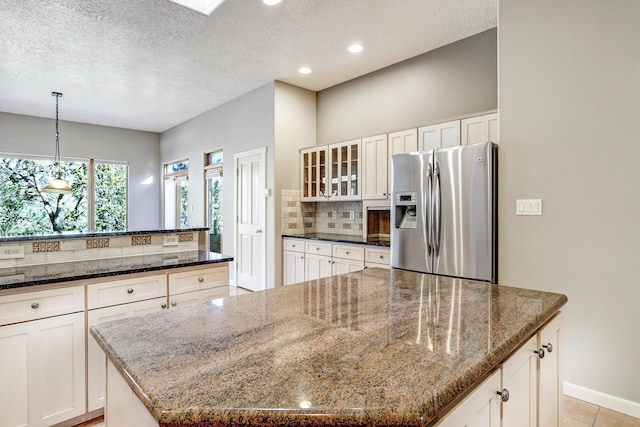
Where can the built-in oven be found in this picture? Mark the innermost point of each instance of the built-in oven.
(376, 215)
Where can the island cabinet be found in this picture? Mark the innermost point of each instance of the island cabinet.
(42, 354)
(111, 300)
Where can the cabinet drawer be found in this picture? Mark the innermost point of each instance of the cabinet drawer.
(198, 296)
(318, 248)
(40, 304)
(355, 253)
(378, 255)
(195, 280)
(295, 245)
(125, 291)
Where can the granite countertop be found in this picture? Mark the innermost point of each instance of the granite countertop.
(342, 238)
(376, 347)
(33, 275)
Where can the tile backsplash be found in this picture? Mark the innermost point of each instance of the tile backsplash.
(323, 217)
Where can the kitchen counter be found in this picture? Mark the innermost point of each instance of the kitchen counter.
(33, 275)
(375, 347)
(340, 238)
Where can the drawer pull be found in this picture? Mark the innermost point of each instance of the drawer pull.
(130, 290)
(164, 305)
(347, 252)
(35, 305)
(381, 256)
(317, 249)
(174, 303)
(201, 279)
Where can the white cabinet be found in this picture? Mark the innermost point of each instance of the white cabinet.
(550, 374)
(404, 141)
(377, 256)
(314, 173)
(375, 167)
(480, 129)
(439, 135)
(344, 171)
(479, 409)
(113, 292)
(317, 266)
(520, 382)
(96, 359)
(347, 258)
(293, 261)
(124, 408)
(42, 371)
(331, 173)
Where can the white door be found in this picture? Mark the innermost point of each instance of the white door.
(250, 219)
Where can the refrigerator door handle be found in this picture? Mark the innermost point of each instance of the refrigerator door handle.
(435, 209)
(428, 215)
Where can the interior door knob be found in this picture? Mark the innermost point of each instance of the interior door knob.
(259, 230)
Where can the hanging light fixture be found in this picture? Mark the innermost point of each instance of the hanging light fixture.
(58, 185)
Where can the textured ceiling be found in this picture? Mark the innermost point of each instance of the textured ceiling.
(151, 64)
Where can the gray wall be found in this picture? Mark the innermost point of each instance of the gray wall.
(295, 128)
(569, 112)
(246, 123)
(455, 80)
(36, 136)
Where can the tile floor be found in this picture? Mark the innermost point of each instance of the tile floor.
(576, 414)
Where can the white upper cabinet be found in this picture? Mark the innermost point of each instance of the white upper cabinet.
(439, 135)
(314, 173)
(480, 129)
(404, 141)
(375, 167)
(344, 171)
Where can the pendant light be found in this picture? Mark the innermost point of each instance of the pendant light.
(58, 185)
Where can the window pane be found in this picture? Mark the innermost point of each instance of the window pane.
(111, 197)
(24, 210)
(183, 203)
(214, 188)
(215, 158)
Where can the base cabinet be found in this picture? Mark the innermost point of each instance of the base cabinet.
(480, 409)
(519, 381)
(123, 406)
(42, 372)
(293, 267)
(550, 374)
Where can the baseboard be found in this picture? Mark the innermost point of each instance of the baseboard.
(614, 403)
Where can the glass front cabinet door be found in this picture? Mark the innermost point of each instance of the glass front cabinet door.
(314, 173)
(331, 173)
(345, 174)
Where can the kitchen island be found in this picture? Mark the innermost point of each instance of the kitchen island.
(375, 347)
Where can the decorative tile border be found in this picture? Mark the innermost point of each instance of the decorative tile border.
(50, 246)
(141, 240)
(185, 237)
(98, 243)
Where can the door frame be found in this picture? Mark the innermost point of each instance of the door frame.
(263, 160)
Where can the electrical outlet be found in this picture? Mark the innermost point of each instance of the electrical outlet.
(170, 241)
(11, 252)
(352, 215)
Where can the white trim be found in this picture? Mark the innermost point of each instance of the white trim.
(608, 401)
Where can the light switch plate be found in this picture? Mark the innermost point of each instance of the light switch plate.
(529, 207)
(11, 252)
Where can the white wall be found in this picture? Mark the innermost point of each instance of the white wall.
(36, 136)
(246, 123)
(455, 80)
(569, 79)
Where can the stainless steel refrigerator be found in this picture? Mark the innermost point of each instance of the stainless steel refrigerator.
(444, 211)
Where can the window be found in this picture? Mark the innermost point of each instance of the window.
(26, 211)
(176, 194)
(213, 177)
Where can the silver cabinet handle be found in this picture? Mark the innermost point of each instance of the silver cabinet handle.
(200, 279)
(301, 257)
(549, 347)
(540, 353)
(381, 256)
(174, 303)
(347, 252)
(504, 394)
(259, 230)
(130, 290)
(164, 305)
(35, 305)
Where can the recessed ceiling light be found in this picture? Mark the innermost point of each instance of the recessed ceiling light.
(206, 7)
(304, 70)
(355, 48)
(271, 2)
